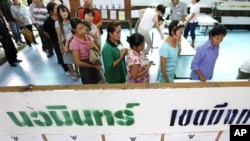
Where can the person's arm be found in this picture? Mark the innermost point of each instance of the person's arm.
(123, 52)
(163, 62)
(78, 62)
(157, 26)
(135, 73)
(195, 65)
(201, 76)
(184, 12)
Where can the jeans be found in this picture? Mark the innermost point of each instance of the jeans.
(15, 31)
(190, 27)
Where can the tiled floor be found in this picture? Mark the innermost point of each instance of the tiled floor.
(37, 69)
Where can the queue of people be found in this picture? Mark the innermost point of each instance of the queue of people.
(72, 39)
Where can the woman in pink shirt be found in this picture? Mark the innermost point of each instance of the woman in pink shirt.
(80, 46)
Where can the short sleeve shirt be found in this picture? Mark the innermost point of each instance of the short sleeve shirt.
(171, 54)
(136, 58)
(81, 46)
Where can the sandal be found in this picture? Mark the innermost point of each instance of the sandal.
(74, 76)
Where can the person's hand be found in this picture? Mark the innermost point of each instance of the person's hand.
(148, 66)
(202, 78)
(65, 50)
(98, 67)
(123, 52)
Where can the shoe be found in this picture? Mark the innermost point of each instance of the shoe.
(35, 43)
(13, 65)
(50, 55)
(18, 61)
(67, 73)
(30, 45)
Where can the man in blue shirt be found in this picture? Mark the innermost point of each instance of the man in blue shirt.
(206, 55)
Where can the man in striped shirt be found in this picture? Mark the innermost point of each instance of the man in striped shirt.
(39, 14)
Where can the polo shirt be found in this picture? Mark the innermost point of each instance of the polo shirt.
(110, 53)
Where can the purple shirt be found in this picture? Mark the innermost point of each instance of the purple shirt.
(204, 60)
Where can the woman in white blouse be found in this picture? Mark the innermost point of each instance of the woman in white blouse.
(192, 20)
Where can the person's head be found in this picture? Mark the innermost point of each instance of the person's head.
(52, 8)
(37, 2)
(87, 3)
(174, 2)
(175, 29)
(79, 27)
(88, 15)
(16, 1)
(114, 31)
(217, 34)
(136, 41)
(160, 9)
(63, 12)
(195, 1)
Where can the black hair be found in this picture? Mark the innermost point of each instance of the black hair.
(197, 0)
(218, 30)
(161, 8)
(50, 7)
(111, 27)
(135, 40)
(87, 11)
(174, 26)
(60, 19)
(75, 21)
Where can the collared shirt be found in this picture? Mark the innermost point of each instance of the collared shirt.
(178, 11)
(137, 58)
(40, 14)
(111, 53)
(21, 12)
(204, 60)
(82, 46)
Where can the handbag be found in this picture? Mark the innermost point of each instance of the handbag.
(27, 34)
(94, 57)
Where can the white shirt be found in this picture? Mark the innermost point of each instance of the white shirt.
(195, 8)
(245, 66)
(148, 19)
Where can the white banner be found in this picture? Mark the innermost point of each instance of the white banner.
(130, 111)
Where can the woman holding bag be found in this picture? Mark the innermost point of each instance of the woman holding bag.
(80, 46)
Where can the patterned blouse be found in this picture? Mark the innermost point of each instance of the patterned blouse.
(135, 58)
